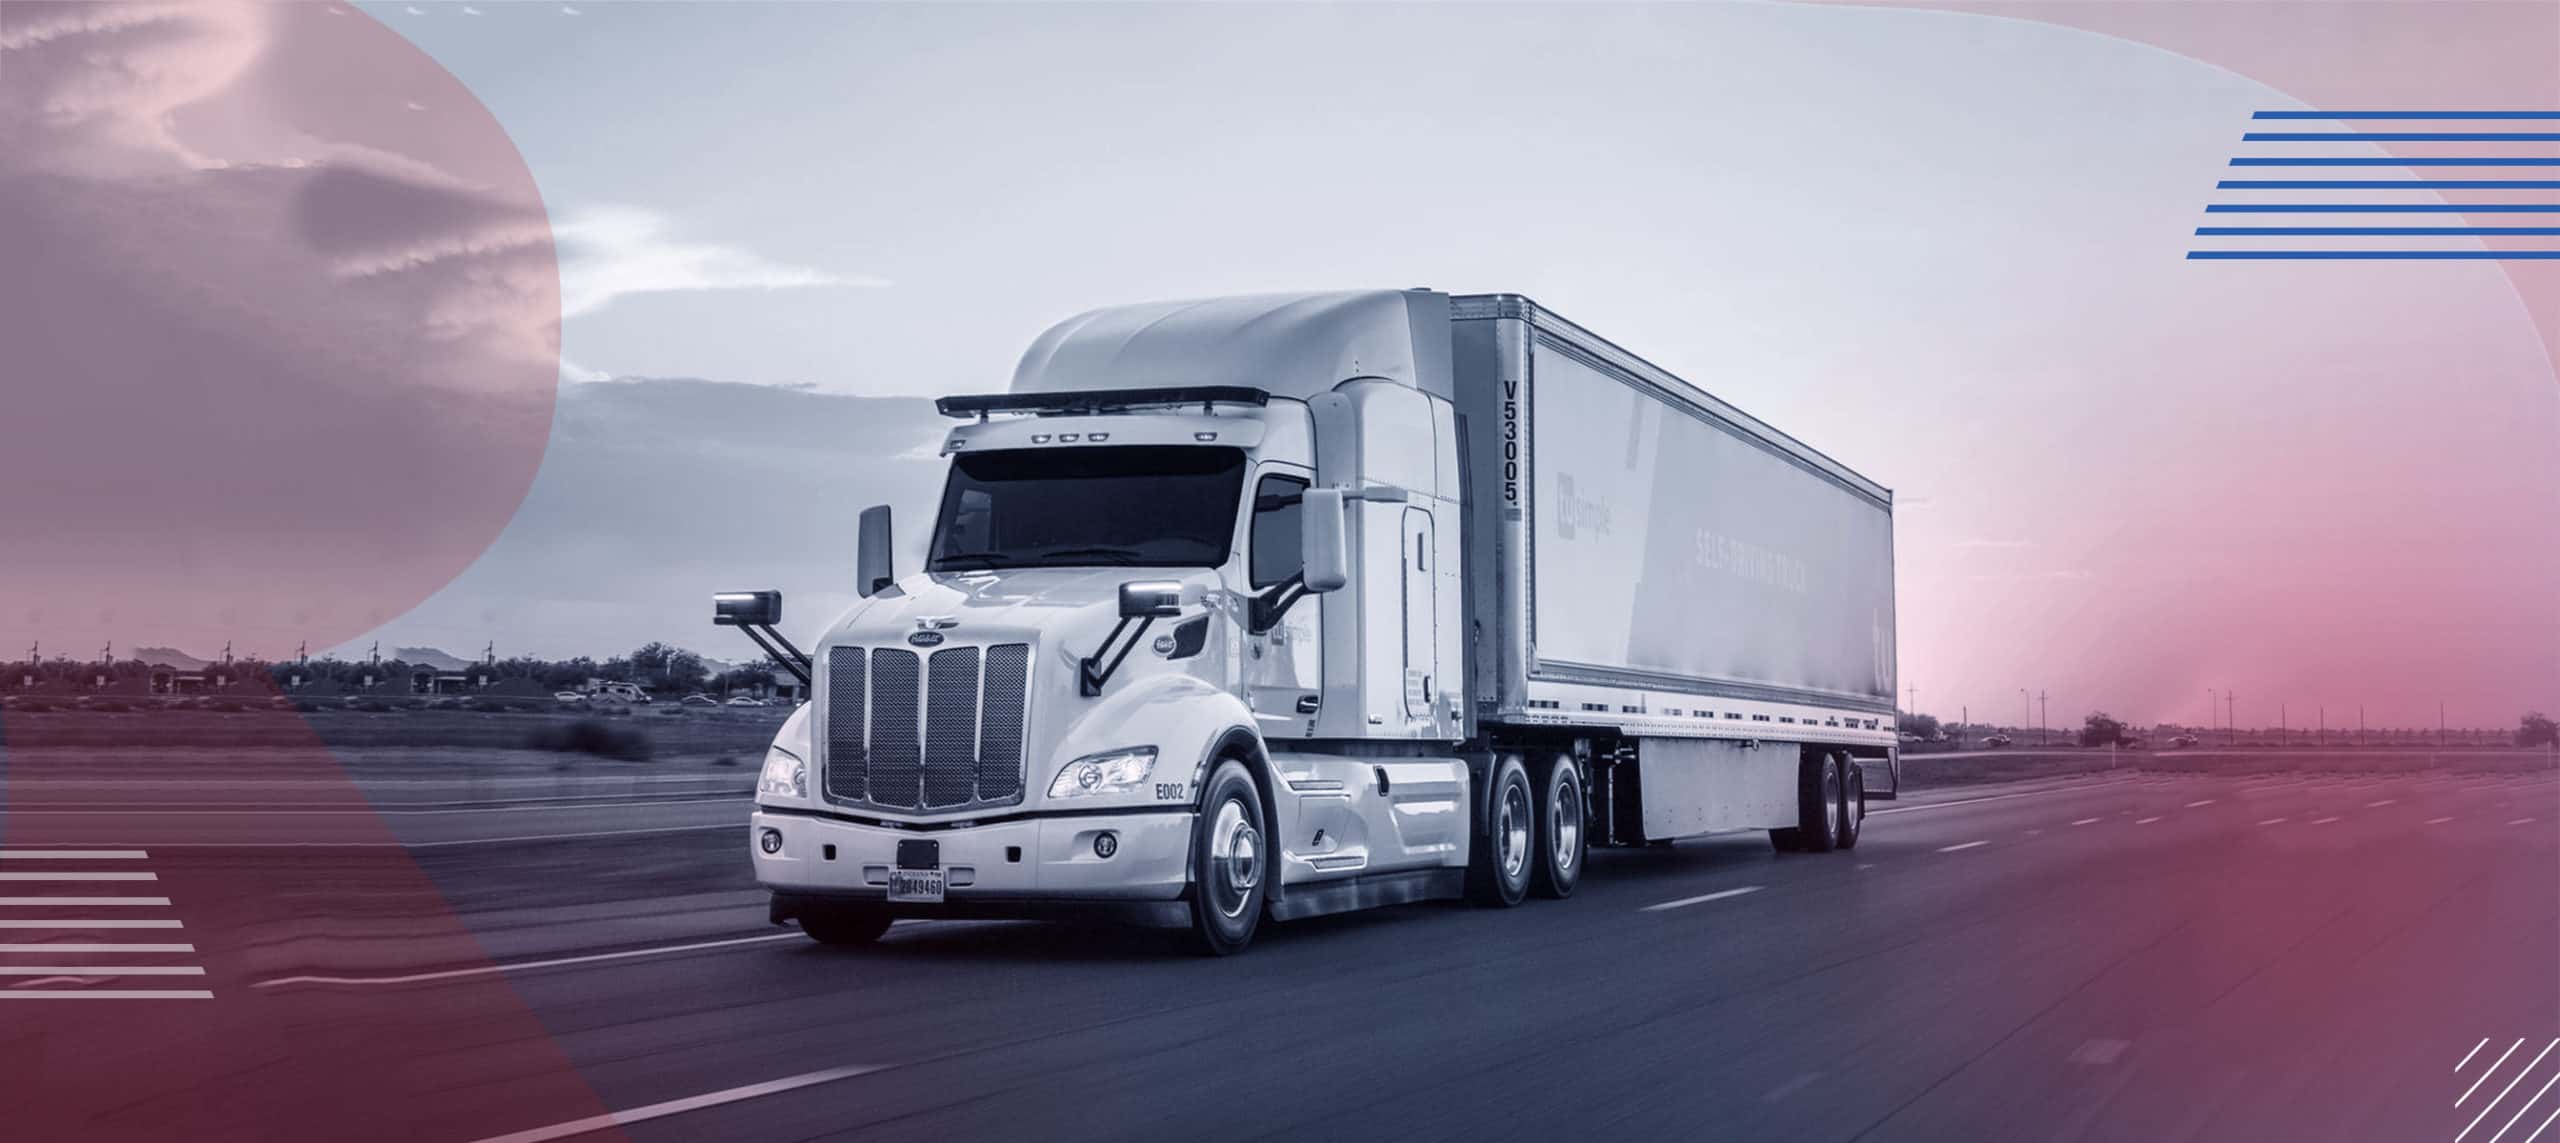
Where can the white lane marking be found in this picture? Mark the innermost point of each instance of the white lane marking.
(2146, 821)
(2324, 821)
(79, 877)
(2521, 821)
(2088, 821)
(72, 855)
(2065, 789)
(2536, 1097)
(1965, 846)
(110, 902)
(88, 923)
(68, 946)
(680, 1106)
(2466, 1056)
(2493, 1070)
(1790, 1087)
(518, 966)
(102, 970)
(2200, 802)
(1701, 899)
(2382, 803)
(2492, 1105)
(102, 994)
(2441, 821)
(2099, 1051)
(2275, 821)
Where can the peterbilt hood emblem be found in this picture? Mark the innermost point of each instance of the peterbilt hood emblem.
(937, 622)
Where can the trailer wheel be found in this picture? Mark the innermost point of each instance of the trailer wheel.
(1563, 842)
(1853, 801)
(845, 925)
(1818, 804)
(1230, 862)
(1498, 868)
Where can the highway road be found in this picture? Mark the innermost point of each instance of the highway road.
(2137, 957)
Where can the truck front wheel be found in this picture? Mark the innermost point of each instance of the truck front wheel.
(1498, 869)
(1230, 861)
(1562, 843)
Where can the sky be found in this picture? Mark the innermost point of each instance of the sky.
(1944, 248)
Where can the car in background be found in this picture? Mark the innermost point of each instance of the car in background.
(1996, 740)
(624, 692)
(568, 698)
(743, 700)
(2183, 742)
(698, 698)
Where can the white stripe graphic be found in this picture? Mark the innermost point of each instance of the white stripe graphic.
(89, 923)
(2493, 1070)
(101, 994)
(2527, 1106)
(107, 901)
(680, 1106)
(2475, 1050)
(72, 855)
(101, 970)
(68, 946)
(1701, 899)
(1965, 846)
(79, 877)
(2502, 1092)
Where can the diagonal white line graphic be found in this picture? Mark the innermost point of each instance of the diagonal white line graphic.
(2527, 1106)
(2502, 1092)
(2546, 1123)
(2493, 1070)
(2466, 1056)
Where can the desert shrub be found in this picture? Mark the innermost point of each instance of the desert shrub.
(112, 706)
(371, 706)
(307, 706)
(226, 706)
(593, 736)
(32, 706)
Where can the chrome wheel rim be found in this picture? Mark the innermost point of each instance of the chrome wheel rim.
(1513, 830)
(1831, 798)
(1235, 859)
(1564, 823)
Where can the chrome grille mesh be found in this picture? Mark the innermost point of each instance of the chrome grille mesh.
(908, 732)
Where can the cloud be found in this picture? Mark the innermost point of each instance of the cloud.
(2003, 544)
(612, 252)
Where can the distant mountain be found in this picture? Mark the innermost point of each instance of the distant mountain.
(429, 657)
(170, 657)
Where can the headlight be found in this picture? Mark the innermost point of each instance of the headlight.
(784, 774)
(1093, 775)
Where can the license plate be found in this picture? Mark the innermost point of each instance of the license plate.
(915, 885)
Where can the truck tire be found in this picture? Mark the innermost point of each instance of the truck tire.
(1563, 843)
(845, 925)
(1498, 867)
(1230, 861)
(1853, 800)
(1818, 804)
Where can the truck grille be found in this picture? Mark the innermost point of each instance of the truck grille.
(910, 732)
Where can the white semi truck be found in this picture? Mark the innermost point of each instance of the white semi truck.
(1270, 607)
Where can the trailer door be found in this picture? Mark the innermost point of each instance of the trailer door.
(1421, 607)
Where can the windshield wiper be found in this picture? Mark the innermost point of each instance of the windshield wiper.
(1121, 555)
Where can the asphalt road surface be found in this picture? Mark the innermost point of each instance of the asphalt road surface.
(2134, 957)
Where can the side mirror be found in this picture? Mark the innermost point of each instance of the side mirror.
(1325, 539)
(746, 609)
(1157, 598)
(871, 570)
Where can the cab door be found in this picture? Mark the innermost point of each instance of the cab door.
(1421, 615)
(1283, 662)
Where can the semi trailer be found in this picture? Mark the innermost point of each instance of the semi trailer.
(1267, 607)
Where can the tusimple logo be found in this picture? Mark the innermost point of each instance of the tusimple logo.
(1575, 513)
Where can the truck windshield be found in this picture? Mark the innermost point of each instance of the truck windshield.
(1151, 505)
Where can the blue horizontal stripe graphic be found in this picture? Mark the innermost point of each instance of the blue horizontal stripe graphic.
(2401, 231)
(2407, 115)
(2401, 137)
(2371, 255)
(2269, 161)
(2389, 184)
(2380, 208)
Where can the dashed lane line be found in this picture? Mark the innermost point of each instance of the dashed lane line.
(2088, 821)
(1961, 847)
(522, 966)
(2146, 821)
(680, 1106)
(1702, 898)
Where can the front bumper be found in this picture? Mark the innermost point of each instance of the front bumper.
(1020, 867)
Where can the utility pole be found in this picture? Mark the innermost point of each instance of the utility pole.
(2230, 716)
(2212, 711)
(2040, 719)
(2324, 724)
(2284, 725)
(2026, 710)
(2360, 738)
(2439, 722)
